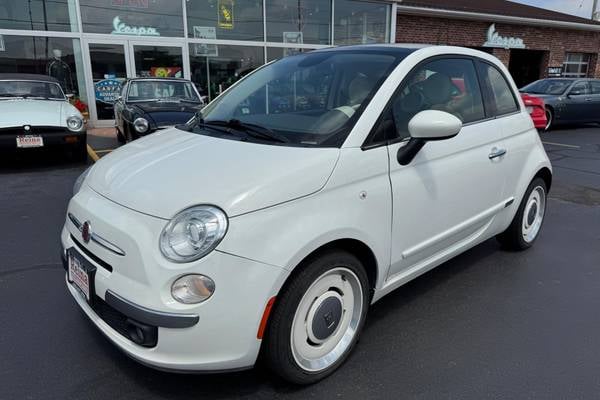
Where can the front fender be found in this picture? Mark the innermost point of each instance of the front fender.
(287, 233)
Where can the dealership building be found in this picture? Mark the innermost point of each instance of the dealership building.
(91, 46)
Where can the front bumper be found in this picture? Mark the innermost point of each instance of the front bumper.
(223, 335)
(52, 137)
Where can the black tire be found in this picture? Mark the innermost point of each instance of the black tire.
(513, 237)
(277, 349)
(550, 118)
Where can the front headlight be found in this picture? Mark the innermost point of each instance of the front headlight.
(74, 123)
(193, 233)
(79, 181)
(141, 125)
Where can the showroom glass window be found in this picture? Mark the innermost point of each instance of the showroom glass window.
(225, 19)
(133, 17)
(576, 65)
(358, 22)
(216, 67)
(39, 15)
(57, 57)
(299, 21)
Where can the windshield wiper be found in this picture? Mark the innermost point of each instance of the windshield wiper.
(254, 130)
(9, 95)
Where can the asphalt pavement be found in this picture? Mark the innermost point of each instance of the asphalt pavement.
(489, 324)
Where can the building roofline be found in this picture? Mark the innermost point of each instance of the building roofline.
(476, 16)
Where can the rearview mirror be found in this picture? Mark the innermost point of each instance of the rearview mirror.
(428, 126)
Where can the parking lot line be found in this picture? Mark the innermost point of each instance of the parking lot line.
(92, 153)
(562, 145)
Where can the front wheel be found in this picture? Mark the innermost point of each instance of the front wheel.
(527, 223)
(317, 318)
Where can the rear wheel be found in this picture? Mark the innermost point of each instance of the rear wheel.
(549, 119)
(527, 223)
(317, 318)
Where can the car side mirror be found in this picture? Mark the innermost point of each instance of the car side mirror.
(70, 95)
(426, 126)
(119, 98)
(575, 93)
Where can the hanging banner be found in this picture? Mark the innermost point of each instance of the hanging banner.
(205, 49)
(226, 14)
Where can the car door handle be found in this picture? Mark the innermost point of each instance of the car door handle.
(497, 152)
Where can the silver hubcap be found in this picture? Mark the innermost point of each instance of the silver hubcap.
(548, 119)
(533, 214)
(327, 319)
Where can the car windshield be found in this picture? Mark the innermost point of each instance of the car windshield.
(312, 99)
(548, 86)
(31, 89)
(162, 90)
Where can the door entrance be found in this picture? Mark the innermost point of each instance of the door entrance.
(525, 66)
(111, 62)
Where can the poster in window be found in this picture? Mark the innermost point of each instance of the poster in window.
(226, 14)
(205, 49)
(555, 72)
(292, 38)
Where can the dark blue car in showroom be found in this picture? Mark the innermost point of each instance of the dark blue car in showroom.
(568, 100)
(149, 104)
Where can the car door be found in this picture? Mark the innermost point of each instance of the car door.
(594, 102)
(447, 197)
(576, 106)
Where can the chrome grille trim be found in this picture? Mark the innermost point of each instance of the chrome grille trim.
(99, 240)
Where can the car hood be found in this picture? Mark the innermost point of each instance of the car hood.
(167, 113)
(19, 112)
(171, 170)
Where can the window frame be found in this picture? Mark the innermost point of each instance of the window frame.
(368, 144)
(577, 82)
(489, 95)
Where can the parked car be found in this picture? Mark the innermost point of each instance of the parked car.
(35, 113)
(537, 109)
(568, 100)
(258, 228)
(149, 104)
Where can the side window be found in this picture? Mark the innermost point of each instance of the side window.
(579, 89)
(595, 87)
(502, 95)
(449, 85)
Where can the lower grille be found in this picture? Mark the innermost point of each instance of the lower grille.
(34, 130)
(123, 324)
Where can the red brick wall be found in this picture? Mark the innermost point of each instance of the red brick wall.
(557, 42)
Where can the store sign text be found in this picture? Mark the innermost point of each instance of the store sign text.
(495, 40)
(130, 3)
(120, 28)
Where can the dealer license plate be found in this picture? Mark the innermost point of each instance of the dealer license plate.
(30, 141)
(81, 274)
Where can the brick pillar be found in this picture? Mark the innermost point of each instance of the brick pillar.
(544, 65)
(503, 55)
(593, 68)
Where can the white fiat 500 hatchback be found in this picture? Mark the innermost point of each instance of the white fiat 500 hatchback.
(298, 198)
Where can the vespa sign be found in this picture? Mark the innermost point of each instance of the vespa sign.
(495, 40)
(120, 28)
